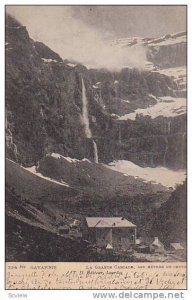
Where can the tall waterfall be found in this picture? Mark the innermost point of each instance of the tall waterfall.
(85, 117)
(96, 158)
(88, 132)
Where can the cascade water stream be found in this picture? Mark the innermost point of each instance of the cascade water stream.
(96, 158)
(85, 117)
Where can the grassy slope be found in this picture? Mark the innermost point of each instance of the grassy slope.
(91, 186)
(104, 193)
(34, 188)
(95, 178)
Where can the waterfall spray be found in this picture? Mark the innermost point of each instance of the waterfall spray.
(85, 112)
(96, 159)
(85, 118)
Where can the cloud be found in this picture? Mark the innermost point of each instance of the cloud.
(69, 36)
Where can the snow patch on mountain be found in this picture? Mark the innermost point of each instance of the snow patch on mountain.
(87, 160)
(127, 101)
(58, 156)
(130, 41)
(97, 85)
(49, 60)
(69, 159)
(173, 72)
(115, 115)
(33, 170)
(158, 175)
(178, 73)
(169, 39)
(166, 106)
(71, 65)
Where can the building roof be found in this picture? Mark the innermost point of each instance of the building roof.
(177, 246)
(112, 222)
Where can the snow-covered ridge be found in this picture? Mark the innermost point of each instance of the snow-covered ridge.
(58, 156)
(168, 39)
(158, 175)
(148, 45)
(71, 65)
(33, 170)
(165, 106)
(67, 158)
(130, 41)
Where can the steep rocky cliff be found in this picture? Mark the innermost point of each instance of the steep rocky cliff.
(44, 108)
(168, 51)
(43, 101)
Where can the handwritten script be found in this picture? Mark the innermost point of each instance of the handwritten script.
(95, 275)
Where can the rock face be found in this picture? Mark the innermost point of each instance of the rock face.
(171, 216)
(169, 51)
(43, 100)
(148, 142)
(44, 107)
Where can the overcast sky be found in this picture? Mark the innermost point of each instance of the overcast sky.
(81, 32)
(123, 21)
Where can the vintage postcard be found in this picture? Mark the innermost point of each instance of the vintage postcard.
(95, 126)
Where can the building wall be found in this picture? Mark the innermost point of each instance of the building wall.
(90, 234)
(119, 238)
(103, 237)
(123, 238)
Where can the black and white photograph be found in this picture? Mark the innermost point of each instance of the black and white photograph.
(96, 133)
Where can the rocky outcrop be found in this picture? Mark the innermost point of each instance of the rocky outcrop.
(170, 223)
(169, 56)
(169, 51)
(147, 142)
